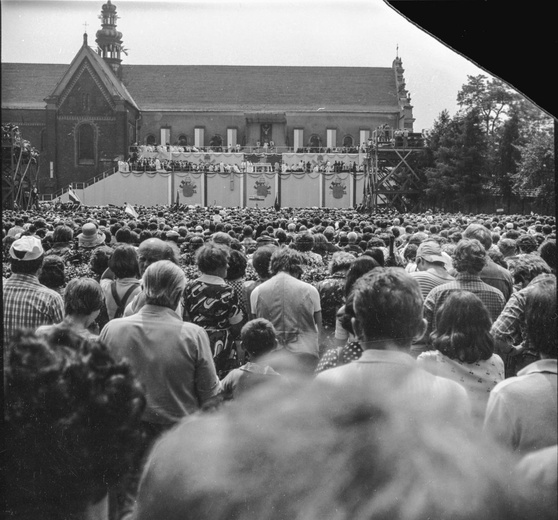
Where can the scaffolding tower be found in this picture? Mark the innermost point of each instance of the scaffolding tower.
(19, 169)
(391, 174)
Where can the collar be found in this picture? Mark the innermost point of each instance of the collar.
(386, 356)
(467, 277)
(541, 366)
(31, 278)
(149, 308)
(211, 279)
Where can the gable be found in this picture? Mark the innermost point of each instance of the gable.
(85, 93)
(99, 70)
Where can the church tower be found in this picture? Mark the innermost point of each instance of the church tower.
(406, 118)
(109, 40)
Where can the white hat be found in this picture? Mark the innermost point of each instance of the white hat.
(26, 248)
(90, 236)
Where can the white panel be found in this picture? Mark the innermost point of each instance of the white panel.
(231, 137)
(364, 135)
(298, 141)
(165, 136)
(331, 138)
(198, 137)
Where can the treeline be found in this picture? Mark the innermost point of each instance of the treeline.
(498, 150)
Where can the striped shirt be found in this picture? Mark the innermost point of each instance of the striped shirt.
(490, 296)
(427, 280)
(29, 304)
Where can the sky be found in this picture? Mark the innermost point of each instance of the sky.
(356, 33)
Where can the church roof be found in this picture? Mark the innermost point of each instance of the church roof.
(26, 85)
(261, 88)
(222, 88)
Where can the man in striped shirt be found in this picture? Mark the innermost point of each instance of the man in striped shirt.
(431, 272)
(469, 259)
(431, 267)
(26, 302)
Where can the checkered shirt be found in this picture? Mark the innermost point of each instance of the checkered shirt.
(510, 325)
(29, 304)
(490, 296)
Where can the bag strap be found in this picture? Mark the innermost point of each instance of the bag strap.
(121, 303)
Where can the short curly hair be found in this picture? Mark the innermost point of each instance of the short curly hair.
(340, 261)
(469, 256)
(286, 260)
(212, 256)
(62, 234)
(304, 242)
(525, 268)
(72, 422)
(53, 272)
(388, 306)
(237, 265)
(480, 233)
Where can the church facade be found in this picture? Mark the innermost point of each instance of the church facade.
(86, 116)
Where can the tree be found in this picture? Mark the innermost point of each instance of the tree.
(492, 99)
(456, 179)
(505, 159)
(535, 175)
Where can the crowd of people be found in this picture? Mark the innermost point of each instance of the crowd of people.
(218, 363)
(155, 164)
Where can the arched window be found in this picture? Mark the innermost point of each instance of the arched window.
(150, 140)
(216, 141)
(43, 139)
(182, 140)
(86, 144)
(348, 141)
(315, 141)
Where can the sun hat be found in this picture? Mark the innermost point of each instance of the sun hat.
(26, 248)
(90, 236)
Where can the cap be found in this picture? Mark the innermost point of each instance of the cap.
(430, 251)
(26, 248)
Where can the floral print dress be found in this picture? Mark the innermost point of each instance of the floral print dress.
(213, 304)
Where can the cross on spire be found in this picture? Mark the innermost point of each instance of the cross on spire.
(85, 26)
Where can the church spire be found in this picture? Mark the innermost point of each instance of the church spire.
(109, 40)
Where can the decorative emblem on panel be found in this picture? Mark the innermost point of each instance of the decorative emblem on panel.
(262, 188)
(189, 189)
(338, 189)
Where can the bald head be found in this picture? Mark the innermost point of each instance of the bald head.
(154, 249)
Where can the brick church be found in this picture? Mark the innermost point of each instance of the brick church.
(85, 116)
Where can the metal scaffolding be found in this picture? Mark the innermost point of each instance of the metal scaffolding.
(391, 177)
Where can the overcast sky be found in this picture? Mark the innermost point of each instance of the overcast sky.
(364, 33)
